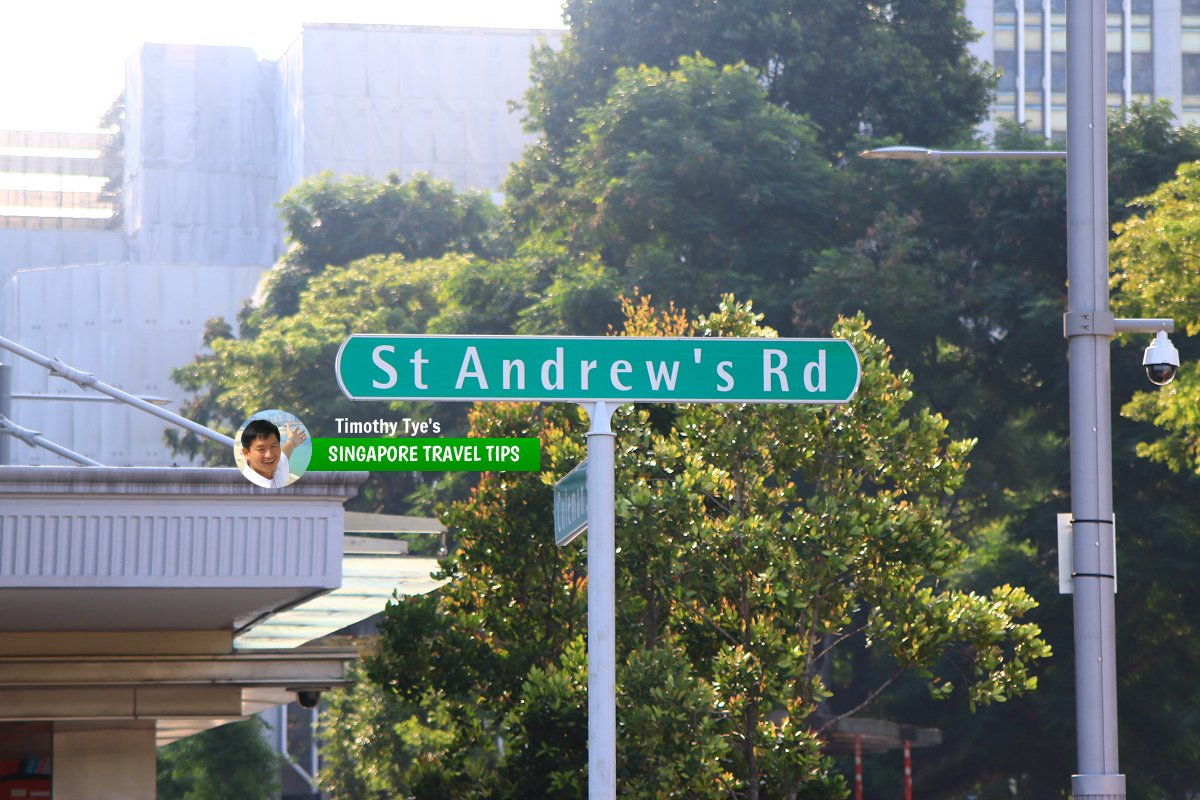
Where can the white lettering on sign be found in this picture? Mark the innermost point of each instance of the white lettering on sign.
(773, 363)
(388, 369)
(555, 364)
(417, 363)
(620, 368)
(508, 371)
(661, 376)
(816, 384)
(471, 368)
(725, 376)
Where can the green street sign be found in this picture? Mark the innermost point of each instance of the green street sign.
(571, 505)
(621, 369)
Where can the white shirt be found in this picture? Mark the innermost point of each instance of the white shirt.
(279, 479)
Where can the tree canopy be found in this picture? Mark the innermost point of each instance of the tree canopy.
(334, 222)
(757, 546)
(232, 760)
(688, 183)
(899, 69)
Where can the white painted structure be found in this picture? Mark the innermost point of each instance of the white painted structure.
(122, 591)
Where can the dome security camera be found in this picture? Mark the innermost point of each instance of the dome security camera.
(308, 698)
(1161, 360)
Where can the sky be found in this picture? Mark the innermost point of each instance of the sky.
(62, 62)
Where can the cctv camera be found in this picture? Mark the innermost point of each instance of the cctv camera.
(308, 698)
(1161, 360)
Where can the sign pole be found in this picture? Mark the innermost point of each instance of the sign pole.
(602, 589)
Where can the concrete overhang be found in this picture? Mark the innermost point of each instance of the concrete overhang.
(123, 591)
(182, 694)
(129, 549)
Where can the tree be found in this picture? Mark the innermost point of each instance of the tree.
(333, 222)
(899, 69)
(756, 544)
(1154, 260)
(230, 761)
(687, 184)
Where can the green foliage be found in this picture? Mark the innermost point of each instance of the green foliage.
(411, 257)
(230, 761)
(288, 363)
(1145, 146)
(964, 276)
(752, 540)
(332, 223)
(897, 69)
(547, 731)
(370, 740)
(687, 184)
(1153, 261)
(670, 728)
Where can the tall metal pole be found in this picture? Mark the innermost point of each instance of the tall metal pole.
(1088, 326)
(602, 589)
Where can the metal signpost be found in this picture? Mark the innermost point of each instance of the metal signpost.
(599, 373)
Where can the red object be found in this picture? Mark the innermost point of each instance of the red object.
(26, 779)
(858, 767)
(907, 771)
(29, 788)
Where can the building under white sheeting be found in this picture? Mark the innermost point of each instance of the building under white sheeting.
(213, 137)
(128, 323)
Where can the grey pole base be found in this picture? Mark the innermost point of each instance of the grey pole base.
(1098, 787)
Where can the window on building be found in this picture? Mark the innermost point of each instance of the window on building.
(1006, 65)
(1142, 70)
(1114, 6)
(1033, 70)
(1033, 5)
(1005, 6)
(1191, 73)
(1191, 7)
(1058, 6)
(1058, 72)
(1116, 72)
(1141, 6)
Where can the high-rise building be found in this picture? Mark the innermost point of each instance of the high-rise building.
(1153, 54)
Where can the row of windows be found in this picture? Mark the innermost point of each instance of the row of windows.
(1060, 6)
(1141, 73)
(1190, 7)
(1139, 39)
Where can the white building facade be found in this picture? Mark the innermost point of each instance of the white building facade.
(1153, 54)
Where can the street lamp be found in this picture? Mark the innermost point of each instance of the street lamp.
(1088, 326)
(908, 153)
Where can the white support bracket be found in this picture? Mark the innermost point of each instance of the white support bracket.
(1103, 323)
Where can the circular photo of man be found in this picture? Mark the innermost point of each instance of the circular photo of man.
(272, 449)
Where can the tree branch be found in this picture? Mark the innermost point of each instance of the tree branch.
(869, 698)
